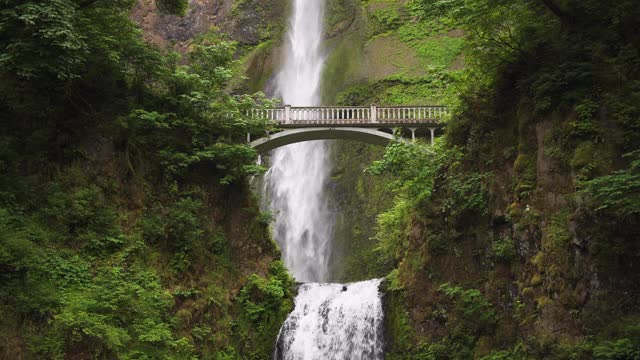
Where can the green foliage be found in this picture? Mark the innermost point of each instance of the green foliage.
(472, 316)
(617, 194)
(387, 18)
(438, 243)
(501, 355)
(112, 159)
(438, 50)
(619, 349)
(558, 234)
(563, 69)
(444, 349)
(392, 231)
(268, 298)
(586, 125)
(397, 325)
(466, 193)
(85, 216)
(439, 9)
(503, 249)
(583, 155)
(266, 302)
(399, 90)
(525, 169)
(31, 31)
(203, 125)
(473, 306)
(415, 166)
(418, 167)
(393, 280)
(97, 315)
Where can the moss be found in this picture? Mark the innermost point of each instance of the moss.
(536, 280)
(440, 52)
(583, 155)
(514, 211)
(258, 21)
(557, 236)
(354, 255)
(483, 347)
(527, 292)
(385, 19)
(543, 302)
(259, 66)
(340, 14)
(523, 163)
(398, 332)
(525, 169)
(538, 260)
(398, 49)
(341, 66)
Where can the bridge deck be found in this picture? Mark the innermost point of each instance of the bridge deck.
(353, 116)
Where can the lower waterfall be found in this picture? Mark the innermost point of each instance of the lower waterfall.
(334, 322)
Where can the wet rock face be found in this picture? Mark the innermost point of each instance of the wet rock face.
(255, 21)
(247, 21)
(164, 30)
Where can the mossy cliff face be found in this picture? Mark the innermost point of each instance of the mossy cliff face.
(257, 26)
(357, 199)
(555, 274)
(532, 262)
(380, 53)
(249, 22)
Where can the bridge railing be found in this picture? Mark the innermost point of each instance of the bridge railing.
(355, 114)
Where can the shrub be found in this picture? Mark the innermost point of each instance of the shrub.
(473, 306)
(268, 299)
(503, 249)
(621, 349)
(617, 194)
(386, 19)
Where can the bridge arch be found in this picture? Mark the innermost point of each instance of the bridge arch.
(292, 136)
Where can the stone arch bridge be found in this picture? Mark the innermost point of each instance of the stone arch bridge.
(371, 124)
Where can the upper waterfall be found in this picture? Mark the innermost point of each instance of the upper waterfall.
(296, 181)
(298, 82)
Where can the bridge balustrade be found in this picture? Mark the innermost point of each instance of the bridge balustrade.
(351, 114)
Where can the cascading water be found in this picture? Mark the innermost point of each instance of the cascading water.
(297, 178)
(333, 322)
(330, 321)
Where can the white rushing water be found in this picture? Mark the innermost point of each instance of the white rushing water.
(296, 181)
(330, 321)
(334, 322)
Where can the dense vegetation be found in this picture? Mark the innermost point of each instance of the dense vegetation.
(126, 227)
(516, 236)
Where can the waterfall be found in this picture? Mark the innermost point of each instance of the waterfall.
(298, 175)
(330, 321)
(333, 322)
